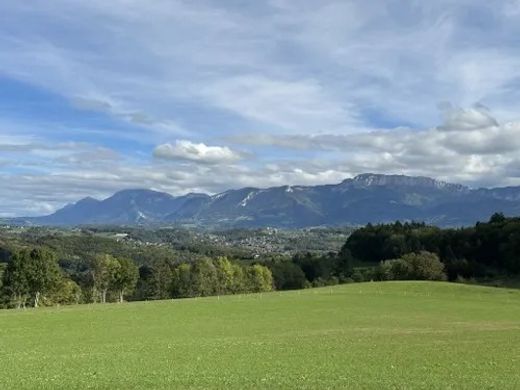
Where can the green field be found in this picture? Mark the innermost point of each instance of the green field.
(370, 335)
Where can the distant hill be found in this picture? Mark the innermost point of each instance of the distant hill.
(365, 198)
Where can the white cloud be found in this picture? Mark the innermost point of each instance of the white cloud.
(470, 146)
(298, 66)
(474, 118)
(187, 150)
(295, 106)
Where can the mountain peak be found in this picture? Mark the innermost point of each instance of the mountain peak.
(140, 195)
(375, 179)
(138, 191)
(88, 199)
(85, 202)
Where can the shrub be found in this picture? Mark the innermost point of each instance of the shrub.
(412, 266)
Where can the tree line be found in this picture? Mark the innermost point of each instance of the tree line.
(404, 251)
(488, 249)
(375, 252)
(202, 277)
(33, 277)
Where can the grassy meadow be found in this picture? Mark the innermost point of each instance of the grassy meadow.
(369, 335)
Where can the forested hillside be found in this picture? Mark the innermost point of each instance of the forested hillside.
(41, 266)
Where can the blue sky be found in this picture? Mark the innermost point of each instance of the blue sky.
(202, 96)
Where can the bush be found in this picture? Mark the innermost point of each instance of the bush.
(358, 276)
(413, 266)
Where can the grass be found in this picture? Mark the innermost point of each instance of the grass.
(370, 335)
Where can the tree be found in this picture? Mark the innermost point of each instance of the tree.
(15, 282)
(225, 275)
(103, 269)
(260, 278)
(412, 266)
(315, 267)
(155, 282)
(497, 218)
(204, 278)
(124, 277)
(145, 287)
(425, 266)
(182, 286)
(344, 263)
(42, 272)
(288, 276)
(3, 267)
(66, 292)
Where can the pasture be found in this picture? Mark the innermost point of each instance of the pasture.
(368, 335)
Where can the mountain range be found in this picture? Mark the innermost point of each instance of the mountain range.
(367, 198)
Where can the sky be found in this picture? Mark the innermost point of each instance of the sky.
(202, 96)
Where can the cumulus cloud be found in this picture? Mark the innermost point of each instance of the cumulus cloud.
(197, 152)
(468, 146)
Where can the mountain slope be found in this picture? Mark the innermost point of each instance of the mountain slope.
(124, 207)
(360, 200)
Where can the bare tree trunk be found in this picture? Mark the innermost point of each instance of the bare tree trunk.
(36, 299)
(121, 296)
(104, 296)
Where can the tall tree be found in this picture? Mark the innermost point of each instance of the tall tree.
(239, 282)
(288, 276)
(182, 286)
(42, 272)
(103, 269)
(124, 277)
(155, 281)
(204, 277)
(225, 275)
(260, 278)
(15, 282)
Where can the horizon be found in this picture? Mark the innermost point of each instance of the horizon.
(102, 97)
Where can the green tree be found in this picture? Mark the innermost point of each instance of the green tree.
(344, 263)
(225, 275)
(412, 266)
(42, 272)
(103, 269)
(239, 281)
(288, 276)
(155, 281)
(66, 292)
(182, 286)
(260, 278)
(425, 266)
(204, 278)
(15, 282)
(124, 277)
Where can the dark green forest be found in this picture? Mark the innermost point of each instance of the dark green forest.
(43, 266)
(488, 249)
